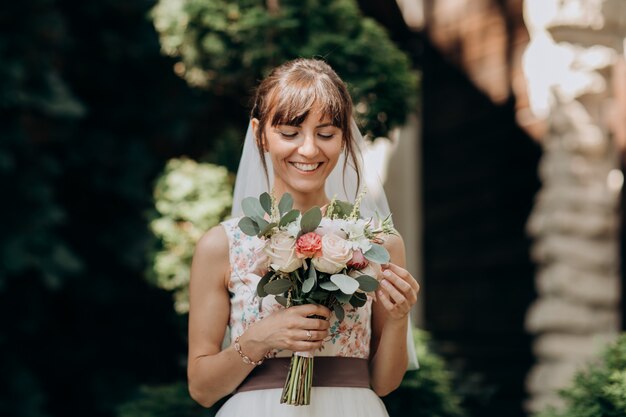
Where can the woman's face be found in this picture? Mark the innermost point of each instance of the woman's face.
(303, 156)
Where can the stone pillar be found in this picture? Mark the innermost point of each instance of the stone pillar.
(574, 223)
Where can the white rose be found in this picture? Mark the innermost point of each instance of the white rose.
(282, 252)
(331, 226)
(356, 234)
(336, 252)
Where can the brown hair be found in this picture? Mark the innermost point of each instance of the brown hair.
(289, 92)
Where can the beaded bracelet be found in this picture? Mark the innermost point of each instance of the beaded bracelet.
(246, 359)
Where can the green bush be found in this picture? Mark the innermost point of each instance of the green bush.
(226, 47)
(598, 390)
(427, 391)
(190, 198)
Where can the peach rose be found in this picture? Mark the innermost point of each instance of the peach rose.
(336, 252)
(309, 245)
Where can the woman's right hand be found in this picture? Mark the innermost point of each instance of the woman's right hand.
(287, 329)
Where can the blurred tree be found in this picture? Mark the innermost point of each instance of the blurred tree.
(189, 198)
(226, 47)
(90, 112)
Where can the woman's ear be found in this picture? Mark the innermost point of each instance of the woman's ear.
(255, 126)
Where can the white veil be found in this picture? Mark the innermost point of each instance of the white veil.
(251, 182)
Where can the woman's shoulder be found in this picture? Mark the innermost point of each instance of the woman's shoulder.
(213, 243)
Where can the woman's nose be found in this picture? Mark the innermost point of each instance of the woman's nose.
(309, 148)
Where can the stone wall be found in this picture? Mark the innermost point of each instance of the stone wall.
(575, 223)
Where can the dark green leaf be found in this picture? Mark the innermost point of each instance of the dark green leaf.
(261, 222)
(278, 286)
(346, 284)
(378, 254)
(329, 286)
(266, 203)
(311, 219)
(259, 288)
(367, 283)
(249, 226)
(339, 312)
(281, 300)
(341, 297)
(289, 217)
(358, 299)
(285, 204)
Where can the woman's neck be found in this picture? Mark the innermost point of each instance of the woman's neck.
(303, 201)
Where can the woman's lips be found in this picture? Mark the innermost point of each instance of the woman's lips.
(306, 168)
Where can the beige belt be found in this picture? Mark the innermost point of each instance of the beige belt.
(328, 371)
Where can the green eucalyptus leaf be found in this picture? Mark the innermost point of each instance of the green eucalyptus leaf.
(311, 219)
(259, 288)
(341, 297)
(339, 312)
(261, 222)
(346, 284)
(266, 203)
(377, 253)
(278, 286)
(328, 286)
(281, 300)
(252, 207)
(358, 299)
(290, 216)
(367, 283)
(285, 204)
(249, 226)
(311, 280)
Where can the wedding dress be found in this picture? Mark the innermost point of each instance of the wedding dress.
(349, 338)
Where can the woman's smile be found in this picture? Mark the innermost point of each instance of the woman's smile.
(306, 168)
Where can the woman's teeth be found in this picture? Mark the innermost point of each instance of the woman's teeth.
(306, 167)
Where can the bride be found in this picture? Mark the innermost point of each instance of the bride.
(301, 139)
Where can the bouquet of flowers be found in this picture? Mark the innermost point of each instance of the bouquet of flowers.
(329, 258)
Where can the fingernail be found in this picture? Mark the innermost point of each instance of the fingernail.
(387, 273)
(380, 293)
(385, 282)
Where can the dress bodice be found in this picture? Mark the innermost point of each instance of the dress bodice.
(349, 338)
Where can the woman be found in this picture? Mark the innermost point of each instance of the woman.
(302, 126)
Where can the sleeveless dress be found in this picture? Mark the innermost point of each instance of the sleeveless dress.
(349, 338)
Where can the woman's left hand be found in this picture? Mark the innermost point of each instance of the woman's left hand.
(398, 291)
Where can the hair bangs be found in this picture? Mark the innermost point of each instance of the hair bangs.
(297, 99)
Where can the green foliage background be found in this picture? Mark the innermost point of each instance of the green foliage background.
(91, 112)
(598, 390)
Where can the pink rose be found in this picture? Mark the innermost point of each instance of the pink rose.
(309, 245)
(358, 261)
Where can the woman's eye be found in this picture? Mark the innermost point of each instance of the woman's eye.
(326, 136)
(289, 135)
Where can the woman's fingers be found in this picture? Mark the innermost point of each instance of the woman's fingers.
(311, 309)
(403, 274)
(393, 292)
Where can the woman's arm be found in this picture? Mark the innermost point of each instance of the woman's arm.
(390, 316)
(211, 373)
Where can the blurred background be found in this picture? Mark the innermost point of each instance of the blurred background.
(499, 126)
